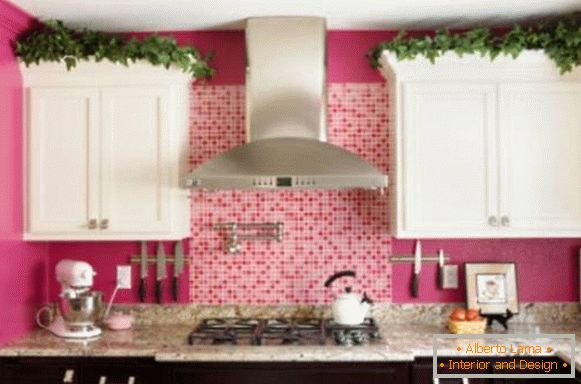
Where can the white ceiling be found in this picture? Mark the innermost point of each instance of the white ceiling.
(157, 15)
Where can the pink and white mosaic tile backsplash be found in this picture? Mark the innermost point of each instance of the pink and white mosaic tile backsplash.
(324, 231)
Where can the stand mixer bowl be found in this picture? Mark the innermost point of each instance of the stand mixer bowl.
(83, 310)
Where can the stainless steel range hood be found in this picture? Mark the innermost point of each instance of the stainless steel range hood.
(286, 117)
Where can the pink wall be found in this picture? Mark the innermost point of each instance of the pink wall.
(23, 272)
(346, 49)
(547, 268)
(104, 257)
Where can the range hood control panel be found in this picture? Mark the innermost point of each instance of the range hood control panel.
(283, 182)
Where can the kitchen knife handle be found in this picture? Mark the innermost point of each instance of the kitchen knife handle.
(158, 291)
(441, 276)
(142, 290)
(175, 288)
(415, 285)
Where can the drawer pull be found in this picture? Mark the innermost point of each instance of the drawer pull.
(130, 380)
(104, 224)
(69, 376)
(493, 221)
(93, 224)
(465, 380)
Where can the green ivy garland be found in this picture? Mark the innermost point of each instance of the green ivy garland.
(561, 41)
(53, 41)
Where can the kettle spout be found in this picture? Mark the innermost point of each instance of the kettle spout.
(366, 300)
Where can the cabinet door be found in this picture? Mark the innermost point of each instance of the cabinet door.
(525, 380)
(135, 173)
(62, 160)
(448, 164)
(423, 373)
(40, 372)
(328, 373)
(540, 140)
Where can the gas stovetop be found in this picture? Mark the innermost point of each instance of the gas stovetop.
(283, 331)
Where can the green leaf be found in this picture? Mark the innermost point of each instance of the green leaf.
(53, 41)
(560, 39)
(70, 62)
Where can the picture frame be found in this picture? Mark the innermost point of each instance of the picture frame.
(492, 288)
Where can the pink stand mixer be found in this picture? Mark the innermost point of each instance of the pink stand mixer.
(78, 307)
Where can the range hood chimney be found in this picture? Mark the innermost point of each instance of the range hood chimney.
(286, 117)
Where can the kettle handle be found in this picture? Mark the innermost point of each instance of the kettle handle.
(46, 308)
(338, 275)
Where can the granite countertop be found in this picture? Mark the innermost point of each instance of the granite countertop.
(168, 343)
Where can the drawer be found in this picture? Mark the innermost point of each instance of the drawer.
(120, 372)
(40, 371)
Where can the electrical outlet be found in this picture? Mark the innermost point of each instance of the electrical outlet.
(124, 276)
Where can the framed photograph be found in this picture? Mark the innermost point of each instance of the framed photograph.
(491, 288)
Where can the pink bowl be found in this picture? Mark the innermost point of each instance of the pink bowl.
(119, 322)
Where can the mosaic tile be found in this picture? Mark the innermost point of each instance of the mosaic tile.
(324, 231)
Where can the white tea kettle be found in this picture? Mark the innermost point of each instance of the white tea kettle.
(349, 308)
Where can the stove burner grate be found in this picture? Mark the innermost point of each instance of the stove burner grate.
(282, 331)
(224, 331)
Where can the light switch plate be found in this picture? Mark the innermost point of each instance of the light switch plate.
(124, 276)
(450, 278)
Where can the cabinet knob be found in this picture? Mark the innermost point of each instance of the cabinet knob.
(104, 224)
(505, 221)
(69, 376)
(493, 221)
(93, 224)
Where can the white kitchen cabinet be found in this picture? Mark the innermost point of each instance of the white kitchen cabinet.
(106, 153)
(135, 155)
(63, 159)
(481, 149)
(454, 124)
(540, 152)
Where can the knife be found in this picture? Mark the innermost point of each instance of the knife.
(178, 268)
(143, 263)
(417, 268)
(161, 272)
(441, 262)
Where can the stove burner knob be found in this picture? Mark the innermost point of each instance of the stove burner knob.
(340, 337)
(348, 340)
(358, 338)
